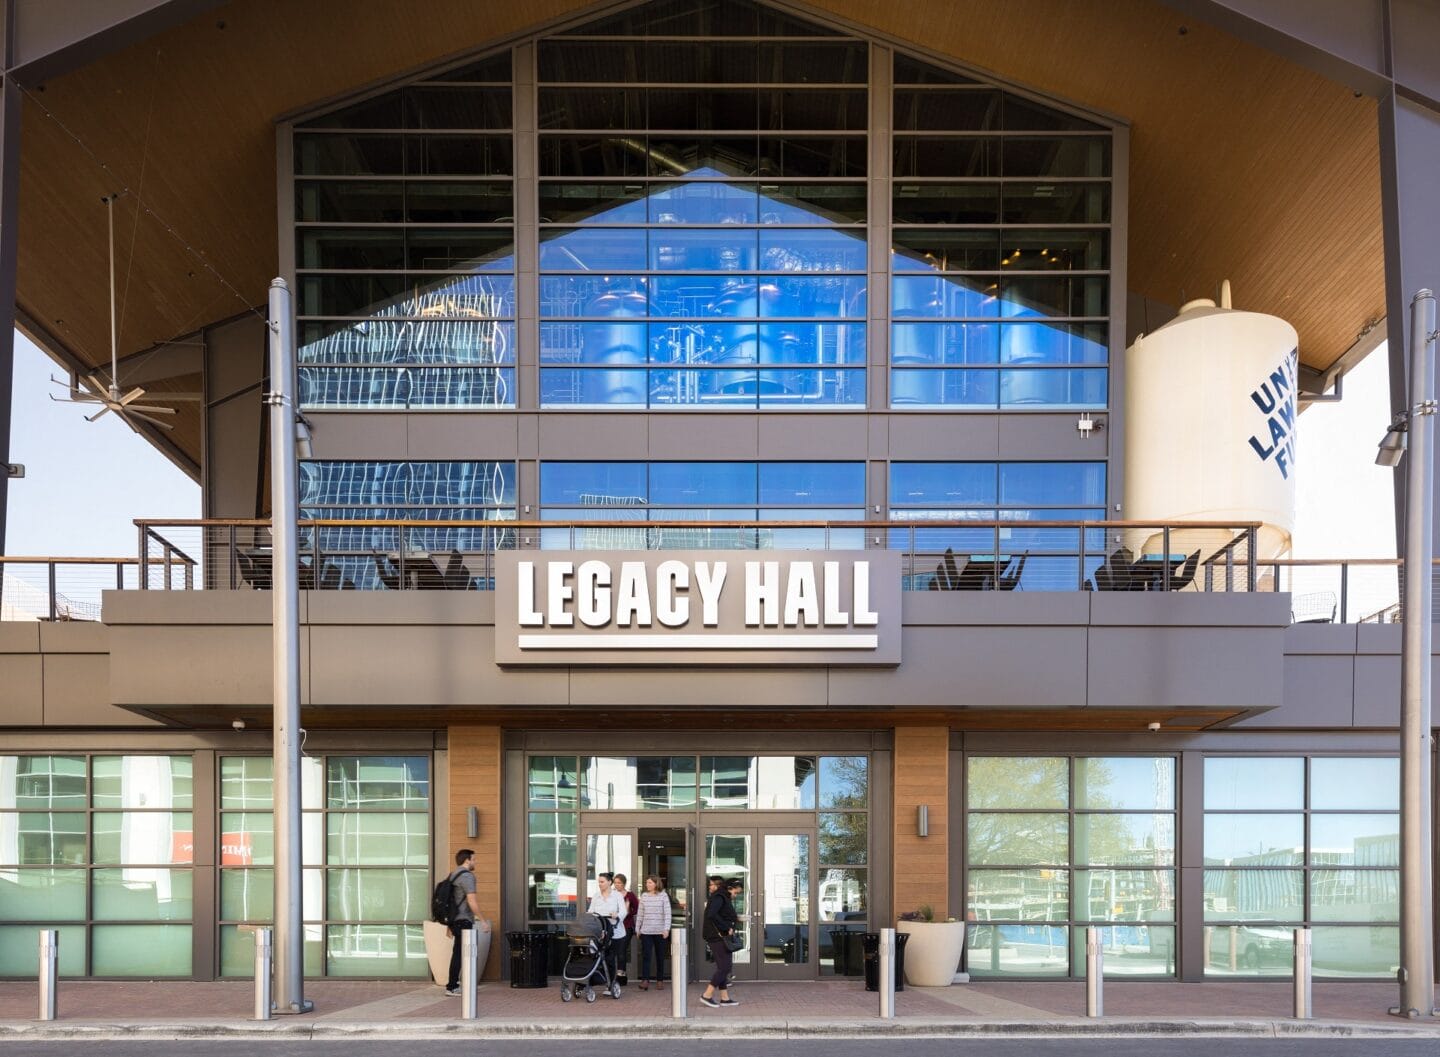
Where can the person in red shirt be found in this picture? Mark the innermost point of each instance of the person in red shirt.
(632, 904)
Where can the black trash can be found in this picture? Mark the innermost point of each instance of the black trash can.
(872, 960)
(529, 958)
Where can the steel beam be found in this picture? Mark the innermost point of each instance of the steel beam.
(9, 244)
(48, 342)
(47, 39)
(1344, 40)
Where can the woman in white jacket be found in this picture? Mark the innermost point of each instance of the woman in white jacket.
(609, 905)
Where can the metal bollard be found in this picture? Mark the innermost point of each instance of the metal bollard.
(1094, 973)
(49, 971)
(1304, 993)
(679, 963)
(264, 953)
(887, 974)
(469, 963)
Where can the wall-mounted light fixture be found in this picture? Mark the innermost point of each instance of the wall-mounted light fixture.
(922, 820)
(472, 822)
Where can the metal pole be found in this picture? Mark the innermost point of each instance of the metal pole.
(285, 603)
(49, 971)
(1304, 996)
(1417, 962)
(887, 974)
(679, 970)
(1094, 973)
(469, 955)
(263, 959)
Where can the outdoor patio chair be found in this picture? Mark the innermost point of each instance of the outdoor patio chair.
(1010, 579)
(1314, 607)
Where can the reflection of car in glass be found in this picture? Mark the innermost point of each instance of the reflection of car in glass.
(1261, 947)
(1258, 948)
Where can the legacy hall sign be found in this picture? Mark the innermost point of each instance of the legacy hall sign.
(697, 607)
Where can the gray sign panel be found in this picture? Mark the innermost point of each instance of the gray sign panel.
(688, 608)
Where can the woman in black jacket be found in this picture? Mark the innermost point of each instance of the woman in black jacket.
(720, 921)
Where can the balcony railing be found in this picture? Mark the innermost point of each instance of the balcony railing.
(55, 588)
(951, 555)
(936, 555)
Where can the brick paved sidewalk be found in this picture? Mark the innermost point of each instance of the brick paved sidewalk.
(374, 1002)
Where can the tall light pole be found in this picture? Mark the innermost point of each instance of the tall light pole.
(289, 945)
(1414, 429)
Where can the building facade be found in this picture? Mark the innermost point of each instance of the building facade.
(591, 318)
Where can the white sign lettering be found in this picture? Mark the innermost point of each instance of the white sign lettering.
(692, 607)
(794, 597)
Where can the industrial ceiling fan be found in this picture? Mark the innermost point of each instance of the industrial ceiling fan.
(109, 396)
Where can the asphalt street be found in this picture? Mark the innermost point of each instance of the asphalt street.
(909, 1047)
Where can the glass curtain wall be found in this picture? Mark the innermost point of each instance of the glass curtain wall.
(404, 246)
(100, 848)
(702, 491)
(831, 792)
(702, 212)
(426, 554)
(1012, 557)
(701, 229)
(1055, 844)
(1292, 841)
(365, 838)
(1001, 248)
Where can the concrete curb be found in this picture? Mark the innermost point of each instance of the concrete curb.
(909, 1027)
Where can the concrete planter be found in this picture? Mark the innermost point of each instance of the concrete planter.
(438, 946)
(932, 956)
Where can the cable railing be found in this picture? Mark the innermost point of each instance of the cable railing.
(59, 588)
(949, 554)
(1340, 591)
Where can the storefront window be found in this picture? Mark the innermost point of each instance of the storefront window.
(116, 879)
(630, 783)
(1291, 841)
(1056, 844)
(366, 844)
(829, 794)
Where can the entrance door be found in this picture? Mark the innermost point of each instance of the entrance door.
(775, 872)
(608, 850)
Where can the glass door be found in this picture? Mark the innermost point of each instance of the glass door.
(730, 855)
(771, 877)
(783, 906)
(608, 849)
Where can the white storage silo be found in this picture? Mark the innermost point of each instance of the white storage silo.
(1210, 409)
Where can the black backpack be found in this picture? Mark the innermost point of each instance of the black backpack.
(442, 902)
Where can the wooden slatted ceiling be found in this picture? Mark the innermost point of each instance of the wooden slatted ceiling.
(1242, 165)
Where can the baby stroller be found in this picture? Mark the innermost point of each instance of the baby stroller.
(588, 963)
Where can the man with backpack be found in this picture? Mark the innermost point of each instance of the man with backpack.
(455, 904)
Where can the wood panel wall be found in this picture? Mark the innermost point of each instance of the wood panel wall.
(922, 776)
(475, 760)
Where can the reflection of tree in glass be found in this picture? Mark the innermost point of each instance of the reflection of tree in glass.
(845, 782)
(1018, 782)
(1033, 784)
(844, 839)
